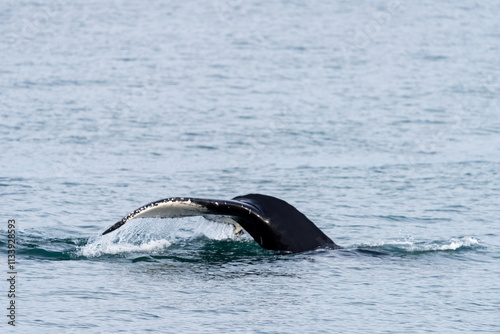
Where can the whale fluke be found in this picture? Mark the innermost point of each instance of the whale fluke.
(273, 223)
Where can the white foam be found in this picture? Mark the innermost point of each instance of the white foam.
(154, 236)
(102, 247)
(411, 245)
(455, 243)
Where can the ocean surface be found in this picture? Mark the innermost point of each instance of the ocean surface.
(378, 120)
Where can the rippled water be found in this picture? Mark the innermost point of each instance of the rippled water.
(377, 120)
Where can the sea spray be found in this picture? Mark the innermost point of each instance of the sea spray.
(154, 236)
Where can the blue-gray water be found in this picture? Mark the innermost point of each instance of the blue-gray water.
(378, 120)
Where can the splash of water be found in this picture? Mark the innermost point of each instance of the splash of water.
(154, 236)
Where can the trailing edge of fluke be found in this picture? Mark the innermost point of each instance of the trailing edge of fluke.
(273, 223)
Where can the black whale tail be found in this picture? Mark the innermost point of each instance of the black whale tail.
(273, 223)
(287, 228)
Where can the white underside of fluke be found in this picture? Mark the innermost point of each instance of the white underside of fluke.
(171, 209)
(179, 208)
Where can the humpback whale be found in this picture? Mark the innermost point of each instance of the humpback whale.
(271, 222)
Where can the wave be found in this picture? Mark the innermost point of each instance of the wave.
(188, 238)
(410, 246)
(39, 246)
